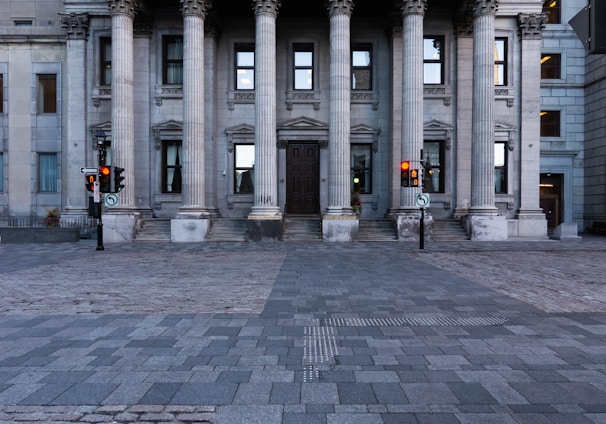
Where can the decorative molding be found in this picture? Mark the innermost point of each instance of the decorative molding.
(75, 25)
(531, 25)
(484, 7)
(413, 7)
(240, 97)
(504, 94)
(440, 92)
(365, 97)
(339, 7)
(303, 97)
(366, 134)
(239, 133)
(266, 6)
(169, 130)
(101, 93)
(438, 130)
(465, 26)
(302, 128)
(168, 92)
(196, 7)
(123, 7)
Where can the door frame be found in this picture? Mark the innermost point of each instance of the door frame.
(317, 172)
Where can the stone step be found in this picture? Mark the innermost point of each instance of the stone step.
(154, 229)
(449, 230)
(377, 230)
(302, 228)
(227, 229)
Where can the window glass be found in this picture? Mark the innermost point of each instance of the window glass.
(1, 93)
(173, 59)
(171, 167)
(433, 66)
(550, 123)
(361, 64)
(303, 66)
(500, 61)
(47, 94)
(47, 172)
(433, 166)
(500, 167)
(361, 168)
(105, 61)
(551, 66)
(552, 8)
(244, 166)
(245, 67)
(1, 172)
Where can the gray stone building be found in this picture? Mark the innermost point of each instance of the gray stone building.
(258, 110)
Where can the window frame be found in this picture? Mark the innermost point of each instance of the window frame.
(555, 123)
(501, 63)
(1, 172)
(243, 169)
(105, 63)
(46, 98)
(429, 170)
(362, 47)
(166, 41)
(501, 169)
(244, 48)
(1, 93)
(440, 61)
(554, 13)
(365, 172)
(545, 69)
(176, 167)
(50, 180)
(303, 48)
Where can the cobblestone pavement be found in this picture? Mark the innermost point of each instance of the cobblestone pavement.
(511, 332)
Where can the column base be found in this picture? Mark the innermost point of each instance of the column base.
(340, 228)
(409, 226)
(567, 231)
(486, 228)
(189, 228)
(264, 228)
(532, 223)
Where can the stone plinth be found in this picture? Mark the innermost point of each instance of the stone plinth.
(120, 228)
(409, 227)
(340, 228)
(487, 228)
(264, 228)
(189, 230)
(567, 231)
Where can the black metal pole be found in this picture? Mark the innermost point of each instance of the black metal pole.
(100, 229)
(422, 230)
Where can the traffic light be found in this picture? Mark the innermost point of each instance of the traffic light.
(105, 178)
(91, 179)
(405, 173)
(414, 177)
(117, 179)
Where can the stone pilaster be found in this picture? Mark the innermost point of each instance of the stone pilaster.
(76, 28)
(264, 220)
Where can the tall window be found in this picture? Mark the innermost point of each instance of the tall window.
(550, 123)
(553, 10)
(1, 172)
(361, 169)
(172, 52)
(433, 166)
(500, 167)
(47, 93)
(361, 67)
(500, 61)
(47, 172)
(105, 61)
(303, 66)
(244, 166)
(433, 60)
(551, 66)
(171, 167)
(1, 93)
(245, 67)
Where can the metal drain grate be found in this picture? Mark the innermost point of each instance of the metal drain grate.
(415, 322)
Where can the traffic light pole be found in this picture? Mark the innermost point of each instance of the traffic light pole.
(100, 222)
(422, 230)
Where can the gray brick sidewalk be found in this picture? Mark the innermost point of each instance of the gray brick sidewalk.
(304, 333)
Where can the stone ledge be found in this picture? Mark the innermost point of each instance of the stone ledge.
(40, 235)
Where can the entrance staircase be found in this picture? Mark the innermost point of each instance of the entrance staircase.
(154, 230)
(377, 230)
(449, 230)
(227, 229)
(302, 228)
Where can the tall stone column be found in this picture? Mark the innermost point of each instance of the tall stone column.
(483, 225)
(531, 219)
(264, 220)
(77, 143)
(339, 222)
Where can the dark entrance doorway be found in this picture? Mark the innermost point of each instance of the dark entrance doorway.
(551, 198)
(302, 178)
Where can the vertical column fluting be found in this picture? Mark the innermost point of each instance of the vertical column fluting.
(123, 125)
(265, 166)
(339, 186)
(193, 169)
(413, 13)
(482, 143)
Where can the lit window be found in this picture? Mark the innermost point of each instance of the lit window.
(47, 94)
(433, 60)
(433, 166)
(551, 66)
(105, 61)
(244, 167)
(303, 66)
(171, 167)
(47, 172)
(245, 67)
(500, 167)
(172, 59)
(552, 8)
(361, 67)
(361, 169)
(550, 123)
(500, 61)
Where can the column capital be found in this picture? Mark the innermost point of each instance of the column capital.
(531, 25)
(266, 6)
(340, 7)
(413, 7)
(75, 25)
(484, 7)
(196, 7)
(123, 7)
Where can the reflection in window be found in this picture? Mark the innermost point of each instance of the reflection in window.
(105, 61)
(500, 167)
(500, 61)
(47, 172)
(550, 123)
(244, 167)
(552, 8)
(361, 67)
(245, 67)
(173, 59)
(433, 166)
(303, 66)
(172, 178)
(47, 93)
(551, 66)
(433, 61)
(361, 168)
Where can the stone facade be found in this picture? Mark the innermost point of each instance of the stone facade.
(161, 80)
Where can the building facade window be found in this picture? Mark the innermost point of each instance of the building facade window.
(1, 172)
(551, 66)
(550, 123)
(1, 93)
(361, 169)
(105, 61)
(172, 179)
(244, 168)
(553, 10)
(433, 60)
(433, 166)
(500, 61)
(172, 59)
(245, 67)
(47, 172)
(500, 167)
(361, 67)
(47, 93)
(303, 69)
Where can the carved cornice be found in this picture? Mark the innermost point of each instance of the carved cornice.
(531, 25)
(484, 7)
(75, 25)
(465, 26)
(339, 7)
(143, 26)
(266, 6)
(123, 7)
(413, 7)
(196, 7)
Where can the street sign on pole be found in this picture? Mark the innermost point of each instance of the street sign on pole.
(89, 170)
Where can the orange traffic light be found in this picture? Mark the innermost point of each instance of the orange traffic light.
(405, 173)
(105, 179)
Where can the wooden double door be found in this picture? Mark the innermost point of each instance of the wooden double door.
(303, 178)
